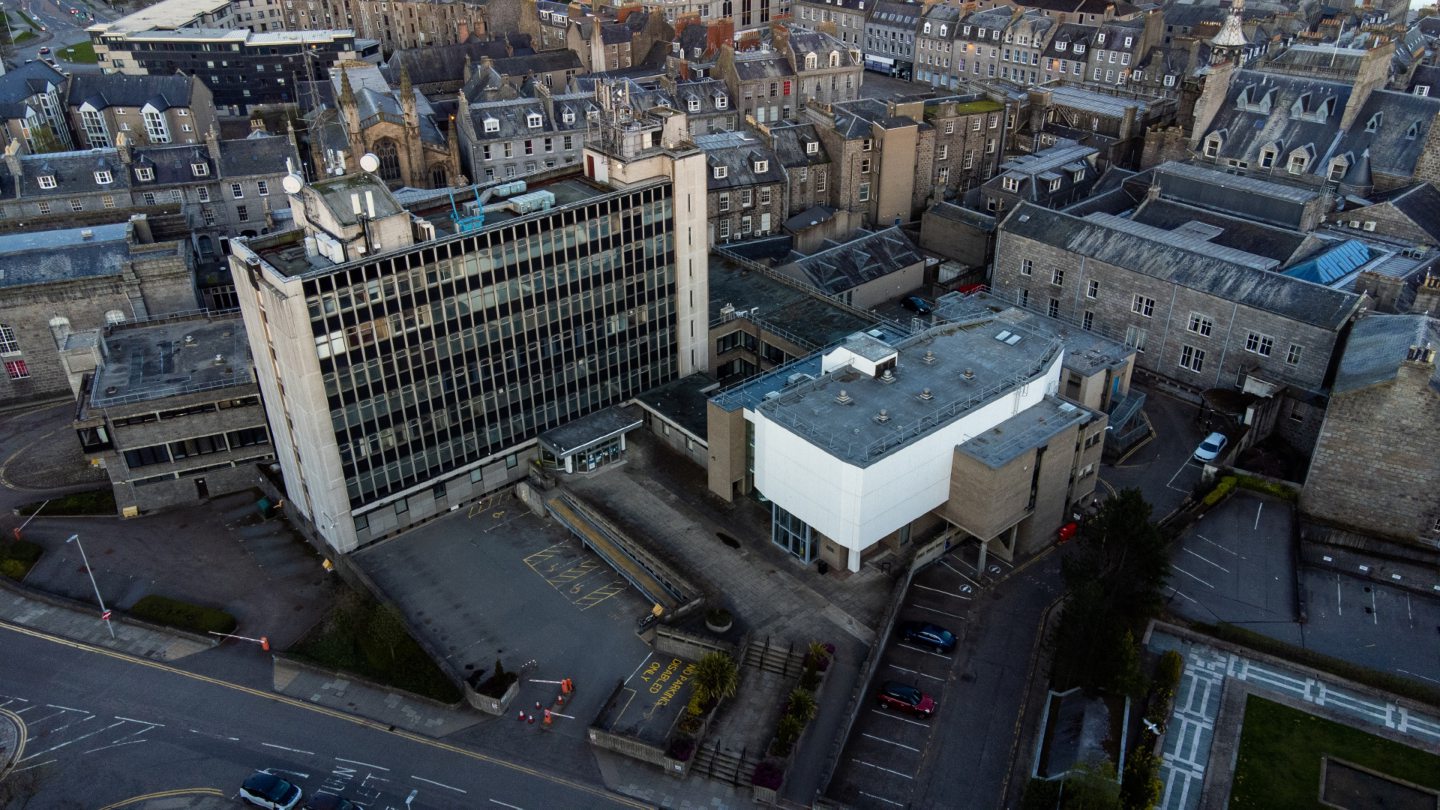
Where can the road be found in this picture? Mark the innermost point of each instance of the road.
(61, 28)
(104, 727)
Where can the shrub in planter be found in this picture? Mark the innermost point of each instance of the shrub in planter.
(185, 616)
(681, 748)
(718, 619)
(1167, 673)
(788, 730)
(716, 677)
(802, 705)
(690, 724)
(497, 684)
(768, 774)
(819, 655)
(810, 678)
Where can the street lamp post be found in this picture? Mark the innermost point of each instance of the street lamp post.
(104, 614)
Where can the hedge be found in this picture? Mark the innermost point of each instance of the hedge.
(183, 615)
(17, 557)
(1279, 490)
(90, 502)
(1344, 669)
(1221, 489)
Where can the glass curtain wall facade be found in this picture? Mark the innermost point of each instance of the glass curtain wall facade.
(450, 352)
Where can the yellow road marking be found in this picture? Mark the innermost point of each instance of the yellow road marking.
(338, 715)
(599, 595)
(166, 794)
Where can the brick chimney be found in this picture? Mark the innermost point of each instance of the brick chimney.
(1427, 297)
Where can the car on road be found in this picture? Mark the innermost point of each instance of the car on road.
(329, 801)
(916, 304)
(927, 635)
(1211, 447)
(905, 698)
(44, 51)
(270, 791)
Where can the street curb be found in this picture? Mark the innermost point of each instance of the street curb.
(1045, 617)
(20, 738)
(26, 592)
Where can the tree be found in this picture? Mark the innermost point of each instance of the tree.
(46, 140)
(1092, 786)
(802, 705)
(716, 677)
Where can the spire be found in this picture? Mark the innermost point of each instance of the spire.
(407, 90)
(1358, 180)
(347, 93)
(1232, 33)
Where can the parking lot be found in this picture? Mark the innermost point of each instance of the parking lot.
(1235, 565)
(495, 581)
(885, 758)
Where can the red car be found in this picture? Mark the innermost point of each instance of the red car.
(906, 698)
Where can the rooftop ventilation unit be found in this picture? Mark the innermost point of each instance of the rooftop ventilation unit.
(929, 357)
(926, 395)
(968, 374)
(882, 417)
(888, 377)
(844, 397)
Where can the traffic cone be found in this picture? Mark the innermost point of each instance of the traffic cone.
(522, 715)
(559, 700)
(265, 643)
(538, 707)
(547, 717)
(531, 718)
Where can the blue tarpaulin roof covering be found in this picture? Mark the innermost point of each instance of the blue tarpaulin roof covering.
(1332, 265)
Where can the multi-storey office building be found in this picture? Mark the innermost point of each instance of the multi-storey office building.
(404, 376)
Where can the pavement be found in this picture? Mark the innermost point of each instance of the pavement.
(1161, 468)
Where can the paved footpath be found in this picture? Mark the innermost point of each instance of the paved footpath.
(1191, 740)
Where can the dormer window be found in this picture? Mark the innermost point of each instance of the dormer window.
(145, 174)
(1079, 48)
(762, 166)
(722, 172)
(981, 33)
(492, 125)
(694, 105)
(834, 59)
(967, 30)
(534, 120)
(568, 116)
(1128, 40)
(1299, 159)
(1267, 157)
(1338, 167)
(722, 102)
(1055, 184)
(812, 61)
(1061, 46)
(1169, 81)
(944, 30)
(1077, 175)
(1099, 39)
(200, 169)
(1374, 123)
(812, 148)
(46, 180)
(1010, 183)
(927, 27)
(104, 178)
(1212, 146)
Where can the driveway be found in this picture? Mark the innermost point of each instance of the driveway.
(1161, 469)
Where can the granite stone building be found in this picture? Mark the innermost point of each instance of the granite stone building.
(745, 182)
(151, 110)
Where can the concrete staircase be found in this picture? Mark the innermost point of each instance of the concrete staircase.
(714, 761)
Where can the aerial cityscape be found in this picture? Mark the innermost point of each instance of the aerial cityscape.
(1013, 404)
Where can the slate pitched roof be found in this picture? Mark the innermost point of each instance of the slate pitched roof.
(443, 63)
(1186, 261)
(790, 145)
(1420, 204)
(1378, 344)
(739, 153)
(55, 256)
(1241, 233)
(847, 265)
(1398, 137)
(74, 173)
(256, 156)
(23, 82)
(104, 90)
(171, 165)
(512, 116)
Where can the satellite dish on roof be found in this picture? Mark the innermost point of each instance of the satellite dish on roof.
(292, 184)
(369, 162)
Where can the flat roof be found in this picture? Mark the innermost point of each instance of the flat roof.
(1085, 351)
(151, 360)
(1024, 431)
(591, 429)
(683, 401)
(940, 375)
(165, 14)
(42, 257)
(806, 318)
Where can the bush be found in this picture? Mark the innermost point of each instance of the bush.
(90, 502)
(690, 724)
(183, 615)
(768, 774)
(1222, 489)
(1168, 671)
(802, 705)
(17, 557)
(810, 677)
(1279, 490)
(681, 748)
(716, 677)
(1141, 787)
(788, 730)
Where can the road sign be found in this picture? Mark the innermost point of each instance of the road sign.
(105, 616)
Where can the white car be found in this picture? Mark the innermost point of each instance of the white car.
(270, 791)
(1211, 448)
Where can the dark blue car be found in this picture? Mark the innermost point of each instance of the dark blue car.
(927, 635)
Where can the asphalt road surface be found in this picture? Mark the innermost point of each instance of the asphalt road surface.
(103, 728)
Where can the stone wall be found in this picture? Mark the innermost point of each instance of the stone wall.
(1375, 464)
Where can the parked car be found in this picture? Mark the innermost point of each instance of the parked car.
(916, 304)
(329, 801)
(1211, 447)
(44, 51)
(270, 791)
(905, 698)
(928, 635)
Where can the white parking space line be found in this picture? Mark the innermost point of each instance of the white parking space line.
(1217, 545)
(914, 672)
(947, 593)
(36, 765)
(1171, 483)
(1338, 611)
(878, 768)
(961, 573)
(941, 612)
(438, 784)
(642, 663)
(71, 742)
(1190, 575)
(1417, 675)
(358, 762)
(291, 750)
(503, 804)
(927, 652)
(897, 717)
(880, 799)
(1409, 612)
(1177, 592)
(890, 742)
(1258, 509)
(1374, 608)
(115, 745)
(1208, 560)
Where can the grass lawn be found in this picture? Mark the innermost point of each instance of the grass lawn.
(91, 502)
(24, 37)
(1281, 749)
(366, 638)
(17, 557)
(81, 52)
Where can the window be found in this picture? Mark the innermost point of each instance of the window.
(1200, 325)
(77, 205)
(202, 194)
(721, 172)
(745, 226)
(155, 127)
(1092, 289)
(1010, 183)
(1057, 277)
(864, 192)
(47, 181)
(107, 201)
(1135, 339)
(236, 191)
(1298, 161)
(865, 166)
(1292, 356)
(723, 229)
(8, 343)
(1054, 308)
(1026, 267)
(867, 144)
(17, 369)
(264, 188)
(1256, 343)
(43, 207)
(812, 148)
(722, 102)
(104, 178)
(492, 125)
(1212, 146)
(1023, 298)
(1192, 358)
(242, 213)
(200, 169)
(724, 202)
(820, 180)
(765, 196)
(1088, 321)
(534, 121)
(1143, 306)
(145, 174)
(747, 197)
